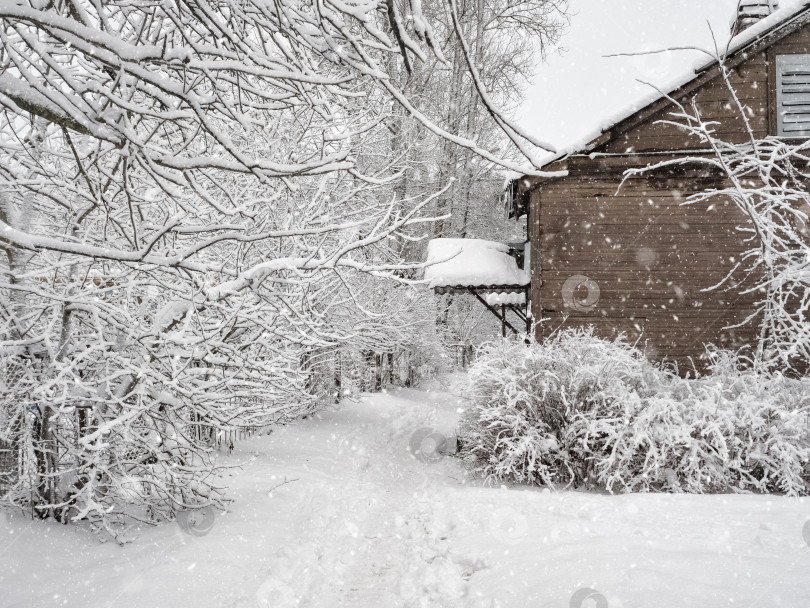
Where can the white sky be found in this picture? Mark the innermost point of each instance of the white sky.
(575, 92)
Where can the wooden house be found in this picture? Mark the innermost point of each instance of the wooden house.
(635, 260)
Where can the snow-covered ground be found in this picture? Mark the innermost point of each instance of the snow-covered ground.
(362, 523)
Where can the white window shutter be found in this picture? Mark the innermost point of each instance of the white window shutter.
(793, 95)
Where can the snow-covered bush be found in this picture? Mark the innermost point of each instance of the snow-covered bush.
(577, 410)
(524, 399)
(732, 429)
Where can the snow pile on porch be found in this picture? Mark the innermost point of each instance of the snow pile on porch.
(472, 263)
(506, 299)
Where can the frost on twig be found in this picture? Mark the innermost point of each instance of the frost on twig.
(768, 181)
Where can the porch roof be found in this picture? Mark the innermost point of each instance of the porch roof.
(462, 263)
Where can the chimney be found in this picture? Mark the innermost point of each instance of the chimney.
(751, 11)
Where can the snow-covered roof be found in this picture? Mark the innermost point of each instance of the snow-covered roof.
(779, 18)
(472, 263)
(759, 29)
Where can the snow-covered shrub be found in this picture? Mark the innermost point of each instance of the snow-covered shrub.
(577, 409)
(732, 429)
(524, 399)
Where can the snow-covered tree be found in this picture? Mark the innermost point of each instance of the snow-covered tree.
(768, 180)
(192, 198)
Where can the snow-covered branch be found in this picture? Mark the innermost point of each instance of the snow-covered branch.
(767, 180)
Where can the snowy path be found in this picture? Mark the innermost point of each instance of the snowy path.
(365, 525)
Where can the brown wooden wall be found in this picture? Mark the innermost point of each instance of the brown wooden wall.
(651, 258)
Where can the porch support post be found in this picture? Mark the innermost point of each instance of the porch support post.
(502, 318)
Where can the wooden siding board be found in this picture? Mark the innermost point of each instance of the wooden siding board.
(652, 271)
